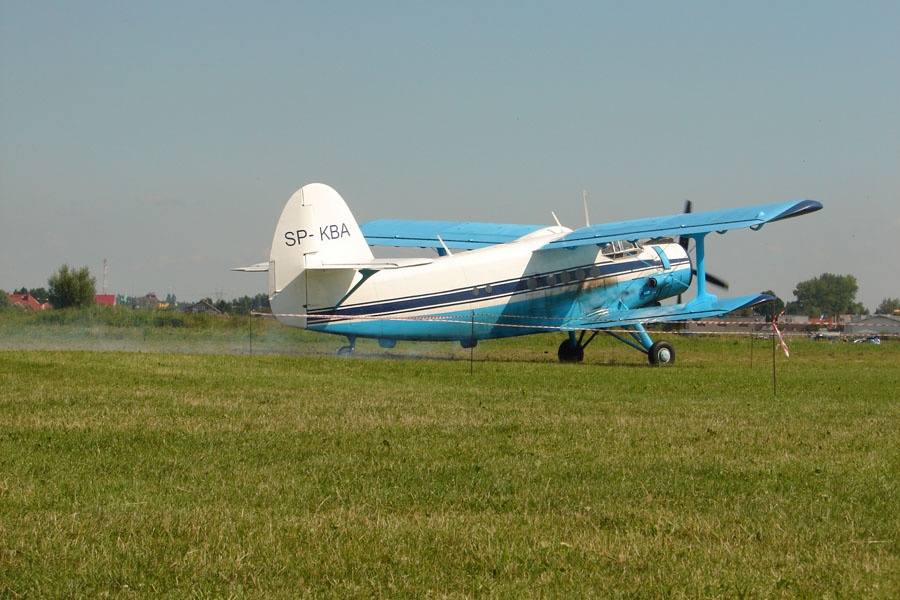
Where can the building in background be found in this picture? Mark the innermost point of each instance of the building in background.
(28, 302)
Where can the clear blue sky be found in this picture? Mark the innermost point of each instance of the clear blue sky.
(166, 136)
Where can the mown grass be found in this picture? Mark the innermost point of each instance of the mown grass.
(228, 475)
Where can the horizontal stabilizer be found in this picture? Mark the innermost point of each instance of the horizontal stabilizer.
(696, 309)
(376, 264)
(257, 268)
(426, 234)
(685, 224)
(379, 264)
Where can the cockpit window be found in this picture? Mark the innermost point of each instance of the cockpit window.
(621, 247)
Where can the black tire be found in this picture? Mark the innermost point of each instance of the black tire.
(346, 351)
(661, 353)
(569, 353)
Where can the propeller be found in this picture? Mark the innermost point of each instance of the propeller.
(683, 242)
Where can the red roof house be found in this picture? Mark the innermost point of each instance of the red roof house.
(27, 302)
(106, 299)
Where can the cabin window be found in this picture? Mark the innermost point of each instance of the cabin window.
(620, 248)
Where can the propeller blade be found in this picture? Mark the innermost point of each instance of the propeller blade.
(710, 278)
(683, 241)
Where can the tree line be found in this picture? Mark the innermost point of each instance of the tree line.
(243, 305)
(69, 287)
(827, 294)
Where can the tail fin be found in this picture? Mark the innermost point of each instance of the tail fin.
(316, 229)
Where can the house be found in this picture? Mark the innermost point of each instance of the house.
(202, 307)
(27, 302)
(148, 301)
(106, 299)
(874, 324)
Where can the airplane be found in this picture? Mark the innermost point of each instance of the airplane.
(491, 280)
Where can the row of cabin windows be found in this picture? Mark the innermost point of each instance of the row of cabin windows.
(536, 281)
(564, 277)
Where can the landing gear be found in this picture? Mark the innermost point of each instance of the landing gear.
(661, 353)
(349, 350)
(658, 353)
(572, 350)
(570, 353)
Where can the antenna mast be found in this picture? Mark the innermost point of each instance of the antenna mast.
(105, 273)
(587, 219)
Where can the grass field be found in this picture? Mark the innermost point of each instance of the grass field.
(195, 474)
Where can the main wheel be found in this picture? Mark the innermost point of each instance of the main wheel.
(346, 351)
(661, 353)
(571, 353)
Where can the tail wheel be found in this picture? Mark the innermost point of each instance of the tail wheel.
(570, 353)
(661, 353)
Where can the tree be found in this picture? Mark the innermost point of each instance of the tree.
(40, 294)
(888, 306)
(71, 288)
(4, 299)
(827, 294)
(245, 304)
(769, 309)
(261, 303)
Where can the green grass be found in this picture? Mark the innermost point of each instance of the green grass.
(148, 474)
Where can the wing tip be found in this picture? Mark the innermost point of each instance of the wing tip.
(799, 208)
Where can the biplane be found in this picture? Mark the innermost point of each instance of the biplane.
(492, 280)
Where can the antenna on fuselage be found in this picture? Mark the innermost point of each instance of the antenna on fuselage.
(587, 218)
(558, 224)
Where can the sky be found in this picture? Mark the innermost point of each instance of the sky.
(165, 137)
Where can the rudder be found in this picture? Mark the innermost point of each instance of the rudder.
(316, 229)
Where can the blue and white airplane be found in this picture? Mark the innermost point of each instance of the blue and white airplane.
(491, 280)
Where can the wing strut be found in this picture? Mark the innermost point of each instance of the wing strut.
(700, 241)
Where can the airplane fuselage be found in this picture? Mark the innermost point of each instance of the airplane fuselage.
(502, 290)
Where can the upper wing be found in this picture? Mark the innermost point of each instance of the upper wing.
(697, 309)
(425, 234)
(686, 224)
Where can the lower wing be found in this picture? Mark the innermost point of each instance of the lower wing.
(696, 309)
